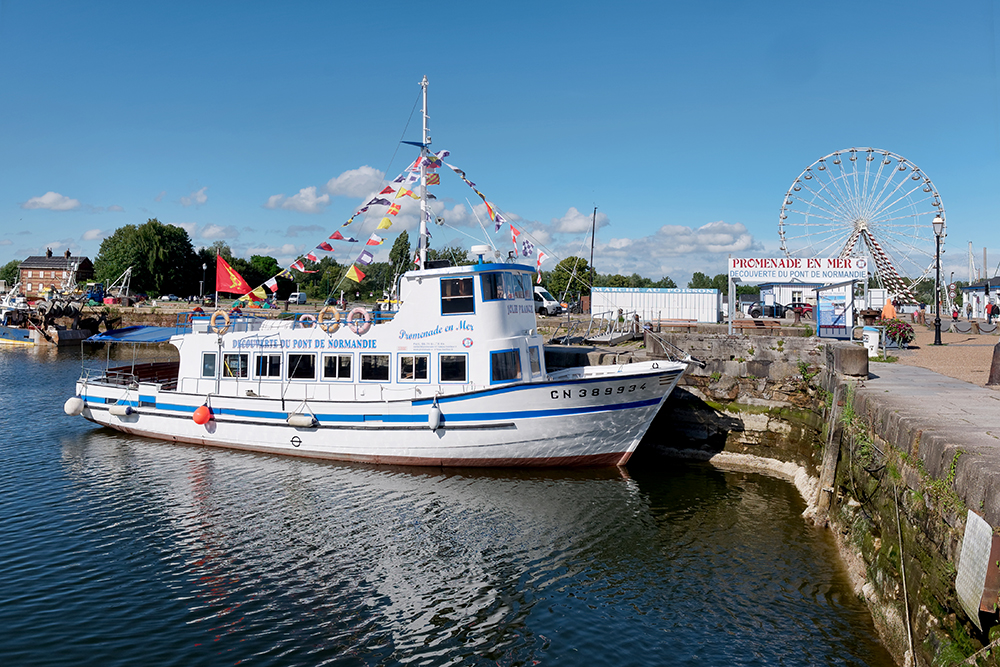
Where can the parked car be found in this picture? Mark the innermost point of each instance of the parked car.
(545, 303)
(297, 297)
(801, 306)
(170, 297)
(758, 309)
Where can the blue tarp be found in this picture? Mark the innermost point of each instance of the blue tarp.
(139, 334)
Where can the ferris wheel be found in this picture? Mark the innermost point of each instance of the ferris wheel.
(865, 202)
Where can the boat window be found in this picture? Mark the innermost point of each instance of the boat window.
(268, 366)
(375, 367)
(208, 365)
(453, 367)
(235, 365)
(505, 366)
(492, 284)
(536, 360)
(337, 366)
(413, 367)
(302, 366)
(511, 287)
(457, 296)
(526, 285)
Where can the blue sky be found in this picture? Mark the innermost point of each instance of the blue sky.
(267, 124)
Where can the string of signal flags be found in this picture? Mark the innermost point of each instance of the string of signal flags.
(403, 186)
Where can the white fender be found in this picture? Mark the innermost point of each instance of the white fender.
(434, 418)
(74, 406)
(299, 420)
(121, 410)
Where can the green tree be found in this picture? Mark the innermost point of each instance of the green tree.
(399, 256)
(9, 272)
(569, 278)
(161, 256)
(665, 283)
(699, 281)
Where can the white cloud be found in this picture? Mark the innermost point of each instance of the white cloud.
(52, 201)
(215, 232)
(159, 197)
(305, 201)
(188, 227)
(358, 182)
(198, 197)
(92, 235)
(574, 222)
(6, 242)
(676, 251)
(115, 209)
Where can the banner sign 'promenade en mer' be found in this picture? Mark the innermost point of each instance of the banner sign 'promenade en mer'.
(806, 269)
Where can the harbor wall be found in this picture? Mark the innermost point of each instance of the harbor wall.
(895, 495)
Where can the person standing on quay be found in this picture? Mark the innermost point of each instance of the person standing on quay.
(888, 311)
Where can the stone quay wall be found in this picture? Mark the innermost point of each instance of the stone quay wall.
(892, 479)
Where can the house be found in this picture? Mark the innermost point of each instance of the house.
(41, 274)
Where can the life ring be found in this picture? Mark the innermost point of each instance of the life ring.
(334, 322)
(215, 325)
(308, 317)
(352, 322)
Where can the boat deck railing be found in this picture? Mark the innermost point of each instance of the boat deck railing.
(163, 373)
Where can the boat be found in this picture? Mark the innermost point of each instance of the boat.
(455, 375)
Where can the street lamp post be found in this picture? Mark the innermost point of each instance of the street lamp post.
(201, 285)
(938, 230)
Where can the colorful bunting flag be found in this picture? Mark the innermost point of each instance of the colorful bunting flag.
(541, 257)
(394, 209)
(349, 221)
(385, 224)
(286, 274)
(375, 239)
(258, 294)
(513, 237)
(272, 284)
(325, 246)
(400, 178)
(527, 247)
(312, 257)
(413, 178)
(403, 192)
(365, 258)
(433, 179)
(298, 265)
(377, 201)
(226, 278)
(388, 190)
(354, 274)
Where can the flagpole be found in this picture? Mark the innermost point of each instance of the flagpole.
(216, 278)
(422, 242)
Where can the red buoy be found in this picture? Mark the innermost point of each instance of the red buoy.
(202, 415)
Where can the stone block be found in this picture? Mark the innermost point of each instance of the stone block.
(847, 359)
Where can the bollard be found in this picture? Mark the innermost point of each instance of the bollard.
(995, 367)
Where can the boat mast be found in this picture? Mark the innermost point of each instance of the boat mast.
(593, 233)
(424, 152)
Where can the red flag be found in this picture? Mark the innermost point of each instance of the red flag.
(388, 191)
(325, 246)
(227, 280)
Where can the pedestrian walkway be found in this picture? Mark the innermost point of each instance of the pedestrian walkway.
(937, 418)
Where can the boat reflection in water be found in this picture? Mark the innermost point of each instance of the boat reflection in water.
(299, 562)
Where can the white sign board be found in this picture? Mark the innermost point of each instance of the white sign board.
(804, 269)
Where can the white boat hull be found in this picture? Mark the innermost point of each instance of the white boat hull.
(597, 417)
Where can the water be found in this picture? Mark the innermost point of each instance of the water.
(116, 550)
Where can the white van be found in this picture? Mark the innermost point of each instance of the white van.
(297, 298)
(545, 303)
